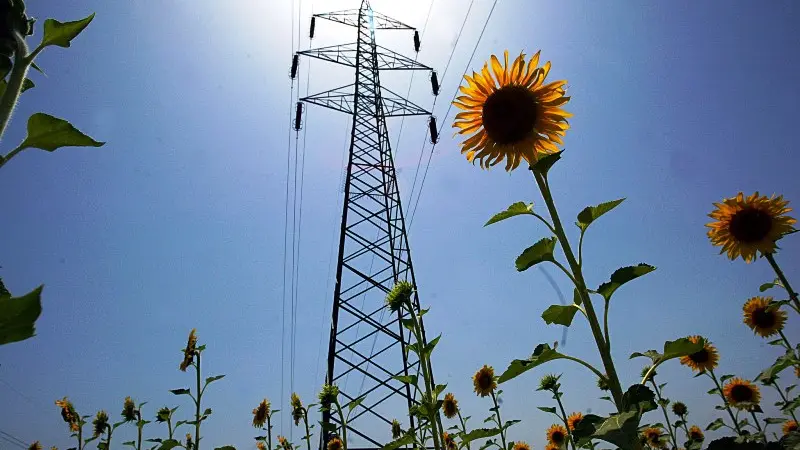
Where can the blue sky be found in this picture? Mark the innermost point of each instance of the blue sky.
(178, 221)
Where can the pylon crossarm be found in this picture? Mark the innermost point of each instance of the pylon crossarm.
(350, 17)
(345, 54)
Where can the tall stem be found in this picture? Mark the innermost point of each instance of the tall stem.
(594, 324)
(344, 424)
(169, 425)
(437, 430)
(308, 433)
(269, 431)
(139, 425)
(15, 82)
(666, 416)
(463, 425)
(758, 425)
(725, 402)
(80, 434)
(197, 406)
(108, 442)
(557, 396)
(499, 421)
(784, 281)
(785, 400)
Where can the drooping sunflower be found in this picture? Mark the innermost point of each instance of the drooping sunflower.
(484, 381)
(100, 423)
(189, 443)
(449, 441)
(189, 351)
(260, 445)
(129, 410)
(557, 434)
(521, 445)
(653, 437)
(35, 446)
(680, 409)
(261, 414)
(297, 408)
(573, 420)
(789, 426)
(68, 412)
(335, 444)
(512, 113)
(741, 394)
(696, 434)
(286, 445)
(705, 359)
(764, 320)
(397, 429)
(450, 406)
(748, 225)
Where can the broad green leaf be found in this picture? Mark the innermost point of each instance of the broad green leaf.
(354, 404)
(131, 443)
(592, 213)
(792, 405)
(622, 276)
(586, 427)
(431, 345)
(767, 286)
(620, 429)
(542, 354)
(510, 423)
(652, 354)
(789, 388)
(547, 409)
(544, 163)
(407, 379)
(18, 315)
(51, 133)
(60, 34)
(679, 423)
(180, 391)
(783, 362)
(538, 252)
(27, 84)
(211, 379)
(408, 324)
(157, 440)
(639, 398)
(559, 314)
(226, 447)
(681, 347)
(439, 389)
(479, 433)
(713, 391)
(487, 444)
(774, 420)
(725, 378)
(403, 441)
(516, 209)
(715, 425)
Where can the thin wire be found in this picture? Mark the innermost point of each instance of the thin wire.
(450, 107)
(14, 440)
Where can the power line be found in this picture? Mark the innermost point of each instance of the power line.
(13, 440)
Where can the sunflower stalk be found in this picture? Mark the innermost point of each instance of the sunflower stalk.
(758, 425)
(661, 403)
(269, 431)
(725, 402)
(343, 421)
(197, 404)
(563, 417)
(499, 421)
(437, 429)
(463, 426)
(783, 397)
(784, 281)
(9, 99)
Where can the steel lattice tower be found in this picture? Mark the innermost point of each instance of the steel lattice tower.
(366, 340)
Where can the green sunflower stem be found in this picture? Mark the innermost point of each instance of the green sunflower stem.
(591, 315)
(80, 435)
(197, 406)
(784, 281)
(783, 397)
(672, 437)
(169, 425)
(725, 402)
(14, 88)
(786, 341)
(499, 421)
(463, 426)
(139, 426)
(437, 430)
(685, 428)
(343, 421)
(557, 396)
(758, 425)
(308, 431)
(269, 431)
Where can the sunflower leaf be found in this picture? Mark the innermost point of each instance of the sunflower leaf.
(767, 286)
(559, 314)
(180, 391)
(681, 347)
(402, 441)
(782, 363)
(620, 429)
(18, 315)
(774, 420)
(639, 398)
(585, 428)
(209, 380)
(431, 345)
(515, 209)
(622, 276)
(479, 433)
(547, 409)
(715, 425)
(791, 405)
(543, 165)
(51, 133)
(542, 354)
(725, 378)
(354, 404)
(592, 213)
(60, 34)
(407, 379)
(226, 447)
(537, 253)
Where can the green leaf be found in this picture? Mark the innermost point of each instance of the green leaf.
(207, 412)
(181, 391)
(558, 314)
(102, 446)
(679, 423)
(431, 345)
(592, 213)
(479, 433)
(543, 165)
(538, 252)
(157, 440)
(620, 429)
(652, 354)
(639, 398)
(37, 68)
(681, 347)
(782, 363)
(488, 443)
(402, 441)
(51, 133)
(622, 276)
(439, 389)
(328, 426)
(725, 378)
(715, 425)
(789, 388)
(774, 420)
(767, 286)
(201, 348)
(131, 443)
(516, 209)
(60, 34)
(226, 447)
(547, 409)
(27, 84)
(791, 405)
(713, 391)
(407, 379)
(353, 404)
(18, 315)
(211, 379)
(542, 354)
(576, 297)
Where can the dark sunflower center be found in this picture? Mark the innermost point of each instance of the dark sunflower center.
(509, 114)
(741, 393)
(484, 381)
(557, 437)
(695, 435)
(700, 357)
(750, 225)
(763, 318)
(792, 427)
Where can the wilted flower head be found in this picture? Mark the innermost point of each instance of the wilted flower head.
(328, 395)
(189, 443)
(260, 445)
(450, 406)
(189, 351)
(68, 412)
(549, 382)
(163, 414)
(335, 444)
(100, 423)
(397, 430)
(284, 443)
(35, 446)
(129, 410)
(789, 426)
(696, 434)
(449, 442)
(680, 409)
(261, 414)
(297, 408)
(399, 295)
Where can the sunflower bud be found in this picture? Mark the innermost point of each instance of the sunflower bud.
(297, 409)
(35, 446)
(328, 395)
(13, 20)
(680, 409)
(397, 430)
(100, 423)
(335, 444)
(129, 410)
(602, 384)
(189, 351)
(261, 414)
(399, 296)
(645, 371)
(549, 382)
(189, 443)
(163, 414)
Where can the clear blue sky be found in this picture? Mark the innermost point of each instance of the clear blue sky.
(178, 221)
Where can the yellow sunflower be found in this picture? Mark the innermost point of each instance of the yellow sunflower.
(68, 412)
(746, 225)
(261, 414)
(520, 445)
(705, 359)
(573, 420)
(551, 446)
(335, 444)
(789, 426)
(696, 434)
(762, 319)
(189, 351)
(512, 113)
(35, 446)
(129, 410)
(450, 406)
(653, 437)
(484, 381)
(741, 394)
(397, 429)
(449, 441)
(557, 434)
(189, 443)
(260, 445)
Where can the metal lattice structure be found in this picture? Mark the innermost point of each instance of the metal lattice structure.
(367, 341)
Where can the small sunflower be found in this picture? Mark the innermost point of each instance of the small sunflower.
(261, 414)
(100, 423)
(549, 382)
(449, 441)
(286, 445)
(557, 434)
(189, 351)
(696, 434)
(328, 395)
(450, 406)
(484, 381)
(521, 445)
(653, 437)
(53, 447)
(764, 319)
(399, 296)
(645, 371)
(573, 420)
(397, 429)
(551, 446)
(705, 359)
(335, 444)
(297, 408)
(260, 445)
(68, 412)
(680, 409)
(163, 414)
(513, 114)
(189, 443)
(745, 226)
(789, 426)
(129, 410)
(35, 446)
(741, 394)
(602, 384)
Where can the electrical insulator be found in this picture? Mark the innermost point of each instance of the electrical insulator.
(295, 62)
(298, 115)
(434, 132)
(416, 41)
(313, 25)
(434, 83)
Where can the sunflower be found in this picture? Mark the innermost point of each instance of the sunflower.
(335, 444)
(163, 414)
(260, 445)
(789, 426)
(763, 319)
(648, 373)
(285, 445)
(653, 437)
(261, 414)
(680, 409)
(189, 351)
(548, 382)
(551, 446)
(397, 429)
(602, 384)
(129, 410)
(696, 434)
(35, 446)
(521, 445)
(573, 420)
(100, 423)
(68, 412)
(705, 359)
(557, 434)
(450, 406)
(746, 225)
(297, 408)
(741, 394)
(399, 296)
(484, 381)
(328, 395)
(449, 442)
(513, 114)
(189, 443)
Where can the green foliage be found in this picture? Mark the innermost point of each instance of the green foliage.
(541, 354)
(516, 209)
(559, 314)
(402, 441)
(226, 447)
(639, 398)
(783, 362)
(18, 315)
(672, 349)
(209, 380)
(592, 213)
(61, 34)
(715, 425)
(479, 433)
(545, 163)
(622, 276)
(620, 429)
(181, 391)
(537, 253)
(51, 133)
